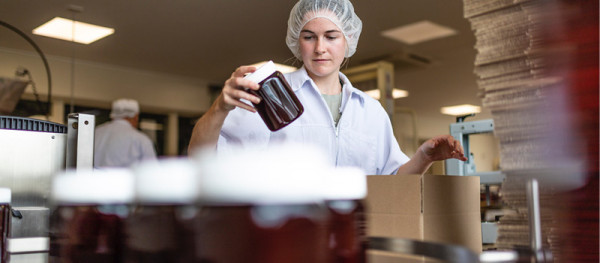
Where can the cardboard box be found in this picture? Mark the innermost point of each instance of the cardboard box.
(435, 208)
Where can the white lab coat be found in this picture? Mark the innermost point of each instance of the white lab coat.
(118, 144)
(363, 137)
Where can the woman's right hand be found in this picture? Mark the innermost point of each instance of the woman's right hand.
(235, 90)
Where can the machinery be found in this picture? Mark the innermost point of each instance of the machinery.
(32, 152)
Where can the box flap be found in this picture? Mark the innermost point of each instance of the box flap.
(393, 194)
(464, 191)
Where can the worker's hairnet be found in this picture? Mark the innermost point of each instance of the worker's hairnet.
(340, 12)
(124, 108)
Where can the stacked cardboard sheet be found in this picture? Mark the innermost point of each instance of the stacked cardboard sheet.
(537, 69)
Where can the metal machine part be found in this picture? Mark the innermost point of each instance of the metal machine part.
(461, 131)
(443, 252)
(32, 152)
(80, 141)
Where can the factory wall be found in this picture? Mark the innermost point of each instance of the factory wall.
(98, 84)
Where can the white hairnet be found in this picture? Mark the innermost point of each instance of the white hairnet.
(124, 108)
(341, 13)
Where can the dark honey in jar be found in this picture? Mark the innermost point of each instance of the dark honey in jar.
(278, 106)
(160, 227)
(267, 208)
(88, 221)
(345, 191)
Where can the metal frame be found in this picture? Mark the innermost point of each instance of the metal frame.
(80, 141)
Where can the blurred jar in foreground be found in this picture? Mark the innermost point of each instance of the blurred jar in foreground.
(160, 228)
(88, 222)
(345, 190)
(263, 206)
(5, 216)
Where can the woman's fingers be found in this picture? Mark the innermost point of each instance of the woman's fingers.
(238, 103)
(242, 71)
(237, 88)
(238, 93)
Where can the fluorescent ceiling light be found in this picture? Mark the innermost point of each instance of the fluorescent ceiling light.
(418, 32)
(396, 93)
(63, 28)
(459, 110)
(280, 67)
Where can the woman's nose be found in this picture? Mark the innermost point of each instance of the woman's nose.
(320, 46)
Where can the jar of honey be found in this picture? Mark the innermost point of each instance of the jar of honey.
(278, 106)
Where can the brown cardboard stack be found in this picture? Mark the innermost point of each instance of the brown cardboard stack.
(537, 69)
(433, 208)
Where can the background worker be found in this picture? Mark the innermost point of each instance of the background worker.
(118, 143)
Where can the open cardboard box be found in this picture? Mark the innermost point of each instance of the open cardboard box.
(432, 208)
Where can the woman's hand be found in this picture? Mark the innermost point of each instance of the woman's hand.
(441, 148)
(235, 90)
(207, 128)
(435, 149)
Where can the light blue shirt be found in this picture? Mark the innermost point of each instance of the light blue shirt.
(363, 137)
(118, 144)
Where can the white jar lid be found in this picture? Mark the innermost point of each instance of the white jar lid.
(101, 186)
(166, 181)
(5, 195)
(344, 183)
(263, 72)
(278, 174)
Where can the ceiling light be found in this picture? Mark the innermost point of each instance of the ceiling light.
(64, 29)
(396, 93)
(279, 67)
(459, 110)
(418, 32)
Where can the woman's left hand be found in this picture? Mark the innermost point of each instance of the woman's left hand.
(441, 148)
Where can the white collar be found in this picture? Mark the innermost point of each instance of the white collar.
(298, 79)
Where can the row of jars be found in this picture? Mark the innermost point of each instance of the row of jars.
(273, 205)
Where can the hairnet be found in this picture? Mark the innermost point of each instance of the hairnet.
(341, 13)
(124, 108)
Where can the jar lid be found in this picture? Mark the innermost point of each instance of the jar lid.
(263, 72)
(166, 181)
(345, 183)
(278, 174)
(99, 186)
(5, 195)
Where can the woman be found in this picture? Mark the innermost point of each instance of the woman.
(351, 127)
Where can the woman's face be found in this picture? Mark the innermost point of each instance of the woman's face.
(323, 46)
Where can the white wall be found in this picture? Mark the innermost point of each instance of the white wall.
(99, 84)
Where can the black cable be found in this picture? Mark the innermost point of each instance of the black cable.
(39, 51)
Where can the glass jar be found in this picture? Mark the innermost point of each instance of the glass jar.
(161, 226)
(263, 206)
(88, 221)
(278, 106)
(345, 190)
